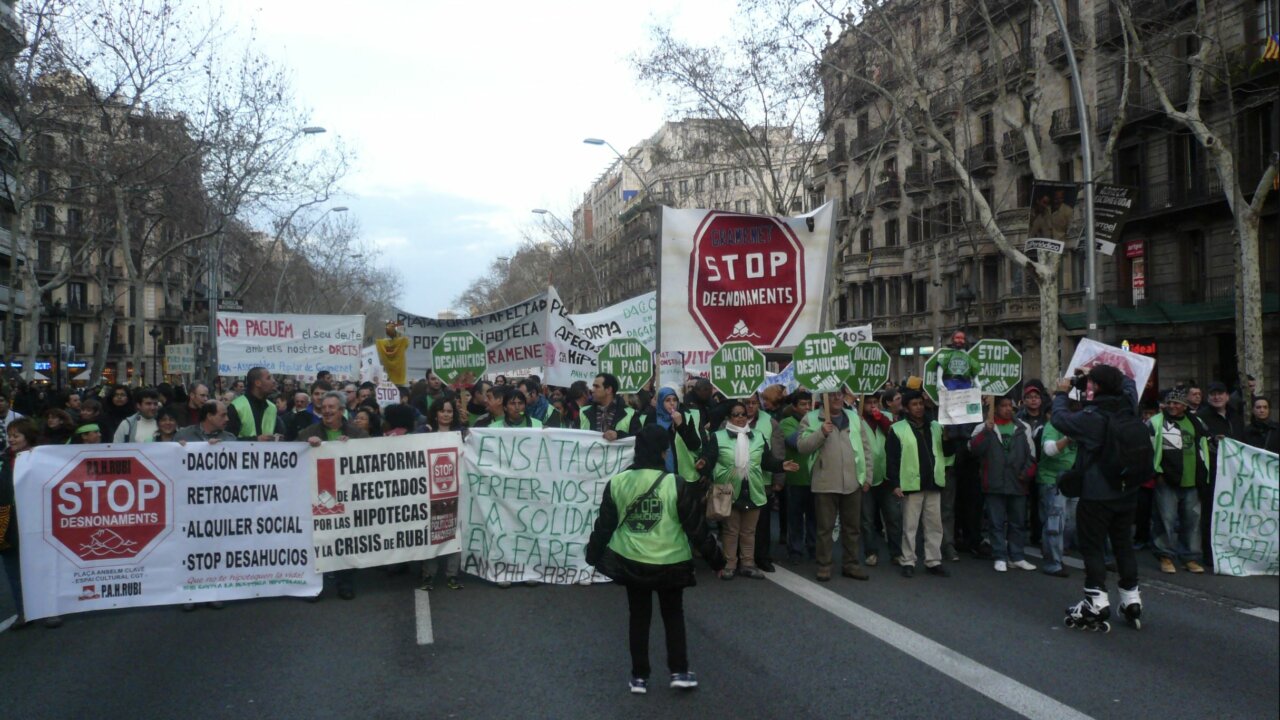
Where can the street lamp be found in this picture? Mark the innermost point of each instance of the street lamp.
(648, 191)
(965, 296)
(155, 353)
(275, 301)
(312, 130)
(56, 313)
(573, 239)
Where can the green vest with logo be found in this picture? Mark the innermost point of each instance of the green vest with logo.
(247, 424)
(652, 532)
(909, 463)
(622, 425)
(880, 463)
(725, 443)
(1157, 439)
(813, 422)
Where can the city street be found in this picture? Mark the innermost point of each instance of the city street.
(976, 645)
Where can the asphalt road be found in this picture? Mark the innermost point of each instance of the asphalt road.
(975, 645)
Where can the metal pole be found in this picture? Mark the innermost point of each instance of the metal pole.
(1086, 151)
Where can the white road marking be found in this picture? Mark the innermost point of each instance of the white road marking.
(8, 623)
(1022, 699)
(1265, 613)
(422, 614)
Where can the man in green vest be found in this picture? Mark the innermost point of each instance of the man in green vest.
(915, 467)
(253, 416)
(802, 529)
(608, 414)
(1181, 444)
(841, 467)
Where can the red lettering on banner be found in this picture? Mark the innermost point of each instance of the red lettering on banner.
(268, 328)
(343, 350)
(229, 327)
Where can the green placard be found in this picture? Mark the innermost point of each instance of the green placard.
(870, 368)
(458, 354)
(628, 360)
(822, 362)
(999, 366)
(737, 369)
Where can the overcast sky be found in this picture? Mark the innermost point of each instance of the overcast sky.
(466, 116)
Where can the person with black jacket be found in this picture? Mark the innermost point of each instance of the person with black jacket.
(1103, 511)
(1261, 432)
(641, 541)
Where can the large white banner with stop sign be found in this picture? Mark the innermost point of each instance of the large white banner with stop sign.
(729, 276)
(115, 526)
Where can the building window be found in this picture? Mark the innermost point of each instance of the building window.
(75, 221)
(868, 302)
(922, 296)
(47, 334)
(891, 233)
(990, 279)
(77, 294)
(77, 336)
(44, 181)
(864, 240)
(697, 185)
(716, 181)
(1194, 267)
(44, 219)
(684, 187)
(915, 229)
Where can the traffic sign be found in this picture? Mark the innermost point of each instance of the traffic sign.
(999, 366)
(458, 354)
(822, 362)
(111, 506)
(628, 360)
(870, 368)
(742, 262)
(737, 369)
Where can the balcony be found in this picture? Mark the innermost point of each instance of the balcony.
(981, 159)
(1107, 28)
(80, 309)
(917, 180)
(872, 139)
(858, 205)
(944, 105)
(1180, 194)
(171, 313)
(1055, 51)
(944, 173)
(889, 193)
(1018, 69)
(980, 89)
(1065, 124)
(1013, 146)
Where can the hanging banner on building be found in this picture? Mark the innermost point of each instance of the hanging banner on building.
(1053, 206)
(385, 500)
(1088, 353)
(635, 318)
(1111, 207)
(729, 277)
(1246, 511)
(290, 344)
(514, 336)
(160, 523)
(530, 500)
(180, 358)
(569, 355)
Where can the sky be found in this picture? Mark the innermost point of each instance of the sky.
(466, 116)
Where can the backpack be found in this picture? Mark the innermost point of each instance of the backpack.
(1127, 454)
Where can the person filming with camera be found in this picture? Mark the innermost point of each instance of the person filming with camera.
(1113, 460)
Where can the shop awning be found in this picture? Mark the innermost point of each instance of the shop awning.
(1165, 313)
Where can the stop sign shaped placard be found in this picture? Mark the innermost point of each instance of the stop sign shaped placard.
(746, 279)
(108, 507)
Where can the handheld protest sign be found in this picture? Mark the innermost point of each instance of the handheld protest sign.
(870, 368)
(737, 369)
(947, 363)
(456, 353)
(822, 362)
(628, 360)
(999, 366)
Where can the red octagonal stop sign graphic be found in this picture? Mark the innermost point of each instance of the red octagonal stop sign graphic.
(746, 279)
(108, 507)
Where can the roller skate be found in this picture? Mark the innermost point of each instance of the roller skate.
(1131, 607)
(1091, 613)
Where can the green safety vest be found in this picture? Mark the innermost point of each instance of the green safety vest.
(652, 533)
(880, 463)
(623, 424)
(1051, 467)
(799, 478)
(909, 463)
(724, 465)
(814, 422)
(502, 422)
(1157, 439)
(247, 426)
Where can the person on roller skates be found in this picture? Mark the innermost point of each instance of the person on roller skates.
(1114, 459)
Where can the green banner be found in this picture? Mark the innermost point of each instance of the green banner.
(737, 369)
(628, 360)
(822, 362)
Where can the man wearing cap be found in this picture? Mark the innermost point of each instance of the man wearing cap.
(1219, 422)
(1181, 445)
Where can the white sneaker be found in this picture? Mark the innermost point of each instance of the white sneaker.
(1023, 565)
(1002, 566)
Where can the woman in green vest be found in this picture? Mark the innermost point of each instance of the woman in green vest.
(740, 457)
(683, 440)
(641, 541)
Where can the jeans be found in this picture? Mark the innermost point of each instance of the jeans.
(13, 570)
(925, 505)
(880, 499)
(1053, 523)
(671, 605)
(1097, 522)
(1178, 534)
(1008, 516)
(802, 528)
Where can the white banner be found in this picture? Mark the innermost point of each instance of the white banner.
(290, 344)
(570, 355)
(159, 523)
(671, 370)
(371, 365)
(514, 336)
(385, 500)
(854, 335)
(728, 276)
(530, 500)
(959, 407)
(180, 358)
(1091, 352)
(1246, 511)
(636, 318)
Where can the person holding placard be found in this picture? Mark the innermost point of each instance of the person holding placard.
(740, 456)
(841, 466)
(333, 425)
